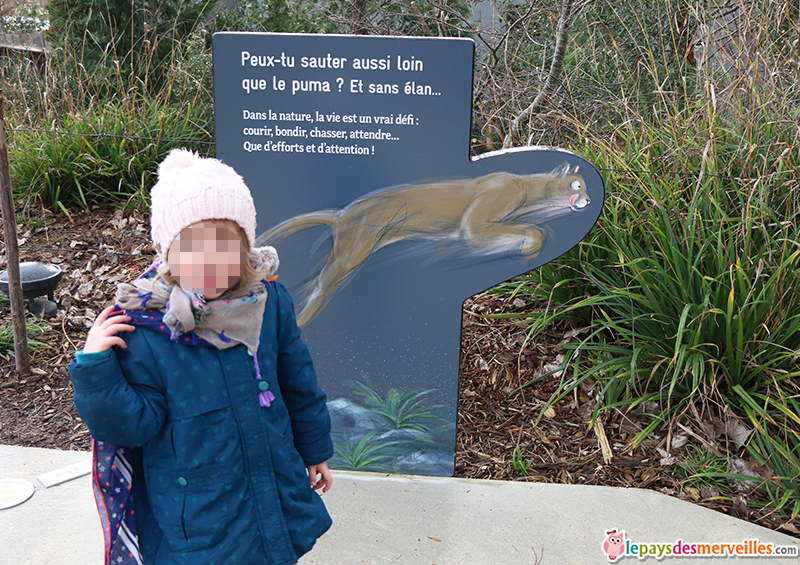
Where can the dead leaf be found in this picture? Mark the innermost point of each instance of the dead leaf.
(666, 459)
(739, 507)
(693, 493)
(714, 427)
(600, 432)
(737, 432)
(762, 470)
(85, 289)
(740, 467)
(628, 426)
(550, 412)
(679, 441)
(119, 223)
(434, 539)
(572, 333)
(789, 527)
(555, 367)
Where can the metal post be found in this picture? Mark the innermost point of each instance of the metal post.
(12, 253)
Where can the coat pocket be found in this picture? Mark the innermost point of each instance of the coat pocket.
(198, 509)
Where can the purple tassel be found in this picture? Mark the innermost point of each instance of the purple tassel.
(265, 398)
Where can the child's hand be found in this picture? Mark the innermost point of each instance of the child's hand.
(325, 481)
(101, 336)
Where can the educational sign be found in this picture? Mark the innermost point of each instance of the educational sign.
(357, 152)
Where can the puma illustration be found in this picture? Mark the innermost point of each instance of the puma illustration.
(496, 213)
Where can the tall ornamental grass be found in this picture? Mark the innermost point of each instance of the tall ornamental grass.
(83, 138)
(689, 285)
(690, 288)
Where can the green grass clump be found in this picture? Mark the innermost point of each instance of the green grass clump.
(108, 159)
(35, 330)
(83, 135)
(687, 289)
(775, 415)
(702, 468)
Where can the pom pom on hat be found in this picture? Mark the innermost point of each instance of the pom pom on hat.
(178, 159)
(268, 256)
(192, 189)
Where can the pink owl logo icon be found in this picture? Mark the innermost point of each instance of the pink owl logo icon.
(614, 544)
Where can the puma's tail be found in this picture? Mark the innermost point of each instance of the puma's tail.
(297, 224)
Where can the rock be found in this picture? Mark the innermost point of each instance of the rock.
(406, 435)
(431, 463)
(348, 415)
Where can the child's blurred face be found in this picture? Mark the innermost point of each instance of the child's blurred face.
(206, 258)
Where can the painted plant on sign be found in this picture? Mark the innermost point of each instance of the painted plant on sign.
(397, 432)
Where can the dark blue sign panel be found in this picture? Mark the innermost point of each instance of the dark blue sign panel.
(356, 150)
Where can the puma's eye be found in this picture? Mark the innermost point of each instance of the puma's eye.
(575, 185)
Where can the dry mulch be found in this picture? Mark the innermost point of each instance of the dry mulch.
(95, 251)
(497, 414)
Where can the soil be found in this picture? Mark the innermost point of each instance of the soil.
(498, 436)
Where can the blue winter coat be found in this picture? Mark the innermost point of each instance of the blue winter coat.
(224, 479)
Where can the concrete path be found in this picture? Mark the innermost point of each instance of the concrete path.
(409, 520)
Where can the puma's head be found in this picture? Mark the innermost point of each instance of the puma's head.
(567, 188)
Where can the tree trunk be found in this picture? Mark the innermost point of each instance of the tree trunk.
(358, 15)
(727, 47)
(20, 329)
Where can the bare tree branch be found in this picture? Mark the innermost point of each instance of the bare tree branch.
(565, 15)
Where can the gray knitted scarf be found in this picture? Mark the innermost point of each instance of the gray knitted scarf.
(233, 318)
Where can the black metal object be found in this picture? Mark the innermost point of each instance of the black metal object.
(38, 279)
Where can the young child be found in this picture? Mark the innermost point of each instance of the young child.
(207, 421)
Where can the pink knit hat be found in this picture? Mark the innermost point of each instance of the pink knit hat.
(192, 189)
